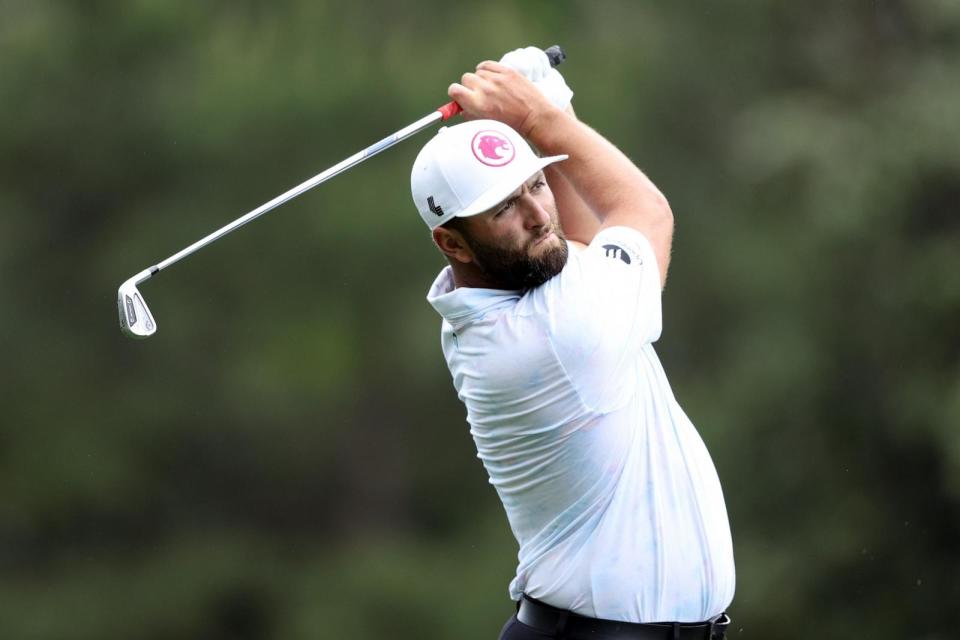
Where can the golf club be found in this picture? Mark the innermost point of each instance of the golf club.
(135, 317)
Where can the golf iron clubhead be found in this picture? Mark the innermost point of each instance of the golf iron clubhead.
(135, 318)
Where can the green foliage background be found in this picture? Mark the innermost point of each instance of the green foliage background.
(286, 458)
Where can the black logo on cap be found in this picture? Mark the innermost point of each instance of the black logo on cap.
(433, 207)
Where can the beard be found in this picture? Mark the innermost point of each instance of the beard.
(516, 268)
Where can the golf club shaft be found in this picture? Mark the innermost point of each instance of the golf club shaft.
(440, 114)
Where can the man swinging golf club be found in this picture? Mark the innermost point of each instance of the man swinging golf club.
(550, 307)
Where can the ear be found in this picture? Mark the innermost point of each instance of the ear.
(452, 244)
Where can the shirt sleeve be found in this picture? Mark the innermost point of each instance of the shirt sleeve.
(601, 310)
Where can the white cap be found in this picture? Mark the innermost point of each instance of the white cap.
(469, 168)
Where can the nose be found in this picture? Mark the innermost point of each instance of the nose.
(535, 215)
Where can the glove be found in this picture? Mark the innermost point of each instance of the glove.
(535, 67)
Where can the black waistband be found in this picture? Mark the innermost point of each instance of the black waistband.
(561, 622)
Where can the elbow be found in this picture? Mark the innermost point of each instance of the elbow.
(663, 243)
(663, 213)
(663, 206)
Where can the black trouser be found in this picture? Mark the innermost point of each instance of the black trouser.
(591, 629)
(516, 630)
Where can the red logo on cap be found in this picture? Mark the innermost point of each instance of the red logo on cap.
(492, 148)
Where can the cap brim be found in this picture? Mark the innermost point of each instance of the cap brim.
(500, 191)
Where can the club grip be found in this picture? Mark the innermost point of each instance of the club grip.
(555, 54)
(449, 110)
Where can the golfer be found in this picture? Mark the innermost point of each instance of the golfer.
(550, 307)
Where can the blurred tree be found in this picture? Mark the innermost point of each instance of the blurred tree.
(287, 459)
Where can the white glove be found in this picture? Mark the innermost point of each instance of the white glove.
(535, 66)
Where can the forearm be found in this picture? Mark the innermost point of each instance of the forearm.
(606, 180)
(579, 222)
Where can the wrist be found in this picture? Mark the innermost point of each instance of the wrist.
(539, 125)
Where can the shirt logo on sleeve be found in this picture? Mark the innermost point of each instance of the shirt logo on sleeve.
(613, 251)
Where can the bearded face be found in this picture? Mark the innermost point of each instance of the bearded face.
(517, 245)
(509, 267)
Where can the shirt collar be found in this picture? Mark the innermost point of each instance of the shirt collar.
(460, 306)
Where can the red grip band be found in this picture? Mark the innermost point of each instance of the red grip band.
(449, 110)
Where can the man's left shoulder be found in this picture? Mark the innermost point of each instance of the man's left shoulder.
(623, 244)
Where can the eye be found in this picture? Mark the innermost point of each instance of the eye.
(506, 207)
(538, 185)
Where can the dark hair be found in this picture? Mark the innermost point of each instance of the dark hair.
(456, 224)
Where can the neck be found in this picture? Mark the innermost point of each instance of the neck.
(467, 275)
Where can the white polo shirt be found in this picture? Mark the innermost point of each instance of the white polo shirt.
(609, 490)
